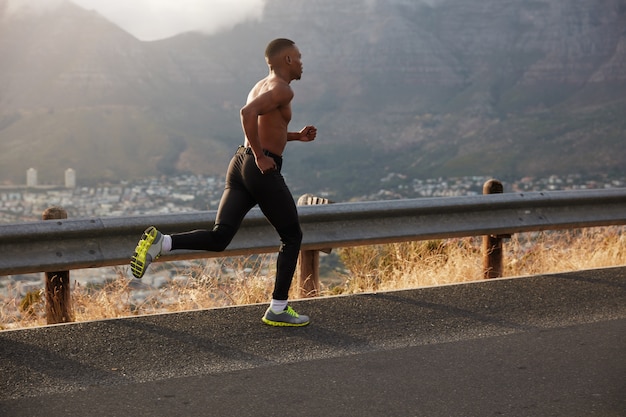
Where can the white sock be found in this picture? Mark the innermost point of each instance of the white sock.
(166, 246)
(277, 306)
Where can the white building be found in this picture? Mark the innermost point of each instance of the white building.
(31, 177)
(70, 178)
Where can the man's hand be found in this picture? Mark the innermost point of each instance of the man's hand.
(265, 164)
(307, 134)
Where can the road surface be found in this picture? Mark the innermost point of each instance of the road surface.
(552, 345)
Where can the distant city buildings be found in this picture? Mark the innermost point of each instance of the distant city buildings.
(149, 196)
(32, 180)
(176, 194)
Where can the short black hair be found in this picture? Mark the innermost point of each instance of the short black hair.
(276, 46)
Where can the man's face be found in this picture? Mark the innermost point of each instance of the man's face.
(295, 62)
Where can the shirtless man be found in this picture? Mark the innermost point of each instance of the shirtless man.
(253, 177)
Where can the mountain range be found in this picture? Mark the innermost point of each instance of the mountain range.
(438, 88)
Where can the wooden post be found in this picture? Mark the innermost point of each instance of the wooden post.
(492, 244)
(309, 260)
(58, 298)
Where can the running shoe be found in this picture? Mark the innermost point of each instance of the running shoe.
(148, 250)
(287, 317)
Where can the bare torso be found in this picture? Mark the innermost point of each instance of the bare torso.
(272, 125)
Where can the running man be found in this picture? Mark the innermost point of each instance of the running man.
(253, 177)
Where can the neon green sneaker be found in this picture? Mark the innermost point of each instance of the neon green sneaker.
(287, 317)
(148, 250)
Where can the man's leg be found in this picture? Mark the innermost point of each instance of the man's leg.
(235, 203)
(233, 207)
(276, 202)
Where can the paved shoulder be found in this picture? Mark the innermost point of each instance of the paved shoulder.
(443, 344)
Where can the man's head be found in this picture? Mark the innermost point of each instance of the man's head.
(283, 53)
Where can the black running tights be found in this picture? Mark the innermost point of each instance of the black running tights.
(245, 188)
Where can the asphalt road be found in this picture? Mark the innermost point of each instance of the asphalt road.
(550, 345)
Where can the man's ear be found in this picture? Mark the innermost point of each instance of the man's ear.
(288, 59)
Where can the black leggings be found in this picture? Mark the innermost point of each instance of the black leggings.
(245, 188)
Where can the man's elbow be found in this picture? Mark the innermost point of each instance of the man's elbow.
(247, 112)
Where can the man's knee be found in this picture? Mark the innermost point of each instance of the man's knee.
(222, 236)
(291, 235)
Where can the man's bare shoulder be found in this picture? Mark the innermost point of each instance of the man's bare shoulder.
(277, 88)
(281, 90)
(258, 89)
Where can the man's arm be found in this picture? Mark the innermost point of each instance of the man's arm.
(259, 105)
(307, 134)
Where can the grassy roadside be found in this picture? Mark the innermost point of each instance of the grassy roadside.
(248, 280)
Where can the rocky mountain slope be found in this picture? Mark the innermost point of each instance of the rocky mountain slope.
(438, 88)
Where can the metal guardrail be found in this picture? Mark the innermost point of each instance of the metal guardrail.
(58, 245)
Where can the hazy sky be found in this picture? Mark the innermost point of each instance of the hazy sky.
(157, 19)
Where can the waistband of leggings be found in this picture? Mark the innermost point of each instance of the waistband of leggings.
(248, 151)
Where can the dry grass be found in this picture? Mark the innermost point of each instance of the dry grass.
(439, 262)
(411, 265)
(249, 280)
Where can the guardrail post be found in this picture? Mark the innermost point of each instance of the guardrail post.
(309, 260)
(492, 244)
(58, 298)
